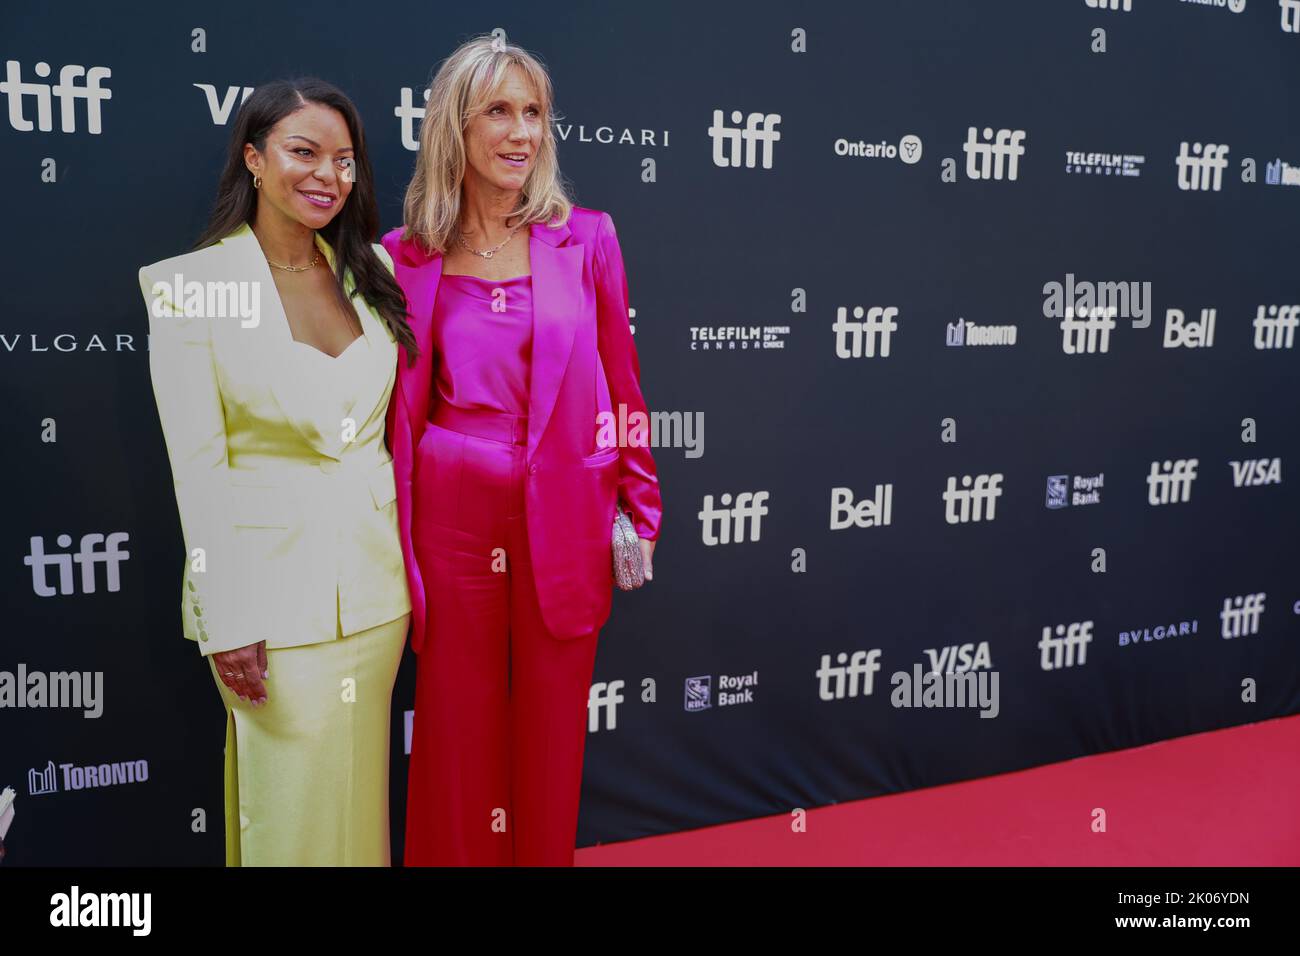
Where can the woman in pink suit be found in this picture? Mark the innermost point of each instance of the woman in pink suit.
(506, 500)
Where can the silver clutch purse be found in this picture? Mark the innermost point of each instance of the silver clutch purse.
(629, 572)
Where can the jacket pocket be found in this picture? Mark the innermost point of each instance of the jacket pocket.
(602, 457)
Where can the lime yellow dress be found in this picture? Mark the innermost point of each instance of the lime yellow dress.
(287, 501)
(306, 773)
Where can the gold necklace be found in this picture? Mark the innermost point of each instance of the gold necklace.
(314, 259)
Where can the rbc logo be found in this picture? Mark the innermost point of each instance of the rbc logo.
(1058, 491)
(698, 693)
(88, 556)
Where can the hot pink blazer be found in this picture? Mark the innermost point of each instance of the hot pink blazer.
(583, 362)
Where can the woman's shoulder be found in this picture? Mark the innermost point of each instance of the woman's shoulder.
(193, 262)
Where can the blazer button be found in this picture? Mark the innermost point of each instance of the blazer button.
(198, 612)
(203, 635)
(192, 587)
(329, 466)
(532, 469)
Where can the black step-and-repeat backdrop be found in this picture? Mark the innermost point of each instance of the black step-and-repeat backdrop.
(969, 330)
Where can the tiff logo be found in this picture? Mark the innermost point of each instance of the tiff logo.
(1241, 615)
(88, 556)
(603, 698)
(831, 680)
(1275, 327)
(727, 524)
(860, 338)
(68, 90)
(1067, 648)
(759, 128)
(1089, 332)
(1170, 482)
(1202, 168)
(972, 503)
(985, 160)
(1290, 15)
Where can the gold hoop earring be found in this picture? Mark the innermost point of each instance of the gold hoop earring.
(257, 182)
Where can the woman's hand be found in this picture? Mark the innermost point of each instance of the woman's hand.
(243, 669)
(647, 549)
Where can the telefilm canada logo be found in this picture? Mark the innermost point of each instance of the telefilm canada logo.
(737, 338)
(1129, 165)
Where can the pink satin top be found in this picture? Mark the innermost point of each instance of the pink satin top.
(483, 339)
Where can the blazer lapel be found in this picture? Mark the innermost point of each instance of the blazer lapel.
(557, 303)
(271, 343)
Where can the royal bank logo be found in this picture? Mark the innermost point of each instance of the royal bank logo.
(849, 676)
(908, 150)
(1200, 167)
(749, 145)
(975, 500)
(867, 334)
(1066, 646)
(1170, 482)
(1181, 332)
(699, 693)
(1064, 490)
(1255, 472)
(1278, 173)
(75, 83)
(1275, 326)
(994, 156)
(733, 523)
(1078, 162)
(1241, 615)
(737, 338)
(962, 334)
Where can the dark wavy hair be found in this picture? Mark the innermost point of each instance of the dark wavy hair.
(349, 233)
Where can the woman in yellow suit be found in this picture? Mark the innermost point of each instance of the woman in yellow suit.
(273, 351)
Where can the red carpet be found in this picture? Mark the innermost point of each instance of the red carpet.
(1224, 798)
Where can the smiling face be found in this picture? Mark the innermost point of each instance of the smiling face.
(306, 166)
(502, 139)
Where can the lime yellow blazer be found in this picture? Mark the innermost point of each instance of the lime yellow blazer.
(287, 505)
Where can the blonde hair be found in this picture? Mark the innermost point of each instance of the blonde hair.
(465, 83)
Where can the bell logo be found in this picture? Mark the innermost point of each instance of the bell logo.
(87, 556)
